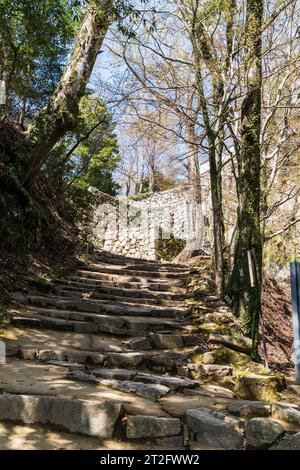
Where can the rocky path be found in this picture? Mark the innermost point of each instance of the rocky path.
(115, 357)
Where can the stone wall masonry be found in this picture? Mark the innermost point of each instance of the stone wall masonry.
(131, 227)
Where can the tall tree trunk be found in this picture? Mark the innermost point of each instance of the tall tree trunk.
(215, 175)
(247, 299)
(61, 113)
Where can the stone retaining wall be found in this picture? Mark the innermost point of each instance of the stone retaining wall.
(132, 227)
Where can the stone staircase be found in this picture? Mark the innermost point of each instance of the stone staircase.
(111, 354)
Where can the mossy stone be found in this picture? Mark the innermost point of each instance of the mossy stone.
(262, 432)
(207, 328)
(236, 342)
(223, 356)
(252, 386)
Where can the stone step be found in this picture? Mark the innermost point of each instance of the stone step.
(151, 391)
(122, 352)
(127, 285)
(172, 383)
(119, 259)
(165, 361)
(237, 343)
(167, 430)
(82, 322)
(35, 378)
(84, 408)
(41, 321)
(91, 418)
(163, 341)
(117, 328)
(121, 277)
(132, 272)
(129, 293)
(214, 428)
(99, 306)
(15, 437)
(138, 263)
(81, 292)
(160, 269)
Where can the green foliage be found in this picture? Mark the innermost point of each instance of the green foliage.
(140, 197)
(89, 155)
(210, 9)
(97, 156)
(161, 182)
(35, 39)
(129, 16)
(77, 207)
(168, 249)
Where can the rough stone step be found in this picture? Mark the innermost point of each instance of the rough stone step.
(172, 383)
(116, 277)
(117, 321)
(165, 361)
(214, 428)
(127, 285)
(17, 338)
(261, 433)
(113, 258)
(82, 322)
(237, 343)
(130, 293)
(151, 426)
(147, 264)
(15, 436)
(34, 378)
(116, 374)
(75, 358)
(160, 267)
(151, 391)
(138, 264)
(163, 341)
(98, 306)
(209, 371)
(78, 292)
(249, 409)
(129, 271)
(91, 418)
